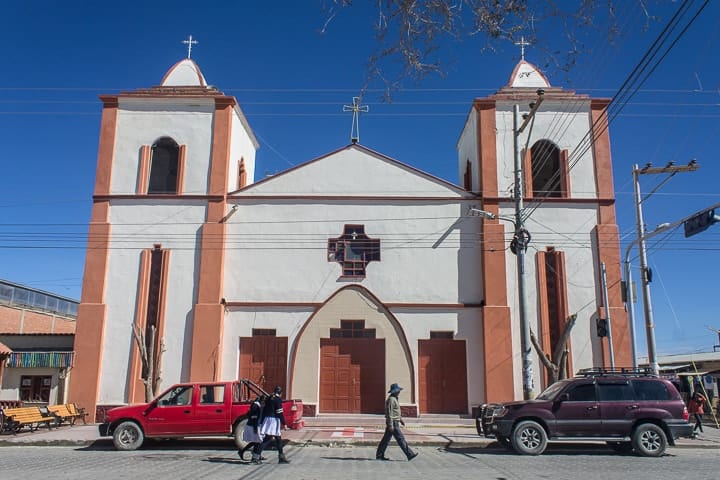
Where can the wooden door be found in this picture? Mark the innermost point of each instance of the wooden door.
(352, 375)
(442, 375)
(263, 359)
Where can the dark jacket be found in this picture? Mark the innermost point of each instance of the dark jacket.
(274, 409)
(254, 417)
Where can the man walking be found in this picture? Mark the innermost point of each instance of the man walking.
(393, 420)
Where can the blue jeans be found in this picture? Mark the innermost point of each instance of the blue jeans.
(399, 438)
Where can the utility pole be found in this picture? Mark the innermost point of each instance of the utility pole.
(611, 352)
(645, 274)
(520, 241)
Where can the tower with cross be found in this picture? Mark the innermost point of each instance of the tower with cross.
(190, 42)
(355, 108)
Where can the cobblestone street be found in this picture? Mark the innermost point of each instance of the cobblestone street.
(559, 463)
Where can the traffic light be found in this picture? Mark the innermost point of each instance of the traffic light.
(601, 325)
(700, 222)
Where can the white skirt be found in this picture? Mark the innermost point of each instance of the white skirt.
(250, 436)
(270, 426)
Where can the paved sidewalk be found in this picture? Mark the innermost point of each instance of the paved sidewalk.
(362, 430)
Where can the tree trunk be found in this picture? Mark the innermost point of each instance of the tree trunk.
(555, 365)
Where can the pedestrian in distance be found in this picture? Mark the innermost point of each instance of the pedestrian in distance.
(272, 424)
(393, 420)
(251, 432)
(696, 408)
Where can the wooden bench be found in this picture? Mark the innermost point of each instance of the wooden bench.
(31, 417)
(69, 413)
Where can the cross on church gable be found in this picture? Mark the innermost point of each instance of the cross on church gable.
(353, 250)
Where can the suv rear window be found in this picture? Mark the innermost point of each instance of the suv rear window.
(615, 392)
(653, 390)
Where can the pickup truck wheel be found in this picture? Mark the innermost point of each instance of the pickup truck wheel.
(128, 436)
(238, 432)
(649, 440)
(529, 438)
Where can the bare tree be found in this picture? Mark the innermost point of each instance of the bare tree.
(412, 33)
(150, 358)
(556, 363)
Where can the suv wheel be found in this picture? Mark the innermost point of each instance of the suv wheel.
(529, 438)
(649, 440)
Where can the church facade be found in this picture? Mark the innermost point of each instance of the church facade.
(348, 272)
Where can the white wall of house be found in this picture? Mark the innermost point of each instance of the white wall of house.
(11, 382)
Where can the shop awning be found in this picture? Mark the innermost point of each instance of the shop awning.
(4, 349)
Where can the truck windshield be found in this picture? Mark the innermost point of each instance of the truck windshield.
(552, 390)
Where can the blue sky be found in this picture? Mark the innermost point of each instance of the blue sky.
(292, 81)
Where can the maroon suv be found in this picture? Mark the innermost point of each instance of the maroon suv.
(631, 412)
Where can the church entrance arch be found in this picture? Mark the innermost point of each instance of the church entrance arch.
(347, 353)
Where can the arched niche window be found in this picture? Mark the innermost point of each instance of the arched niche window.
(164, 166)
(545, 165)
(467, 180)
(242, 174)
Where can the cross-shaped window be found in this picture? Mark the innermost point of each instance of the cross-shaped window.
(353, 250)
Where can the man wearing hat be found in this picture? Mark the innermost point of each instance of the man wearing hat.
(393, 420)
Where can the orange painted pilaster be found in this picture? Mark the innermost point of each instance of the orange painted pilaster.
(92, 312)
(90, 325)
(497, 331)
(603, 160)
(136, 388)
(205, 362)
(487, 147)
(143, 170)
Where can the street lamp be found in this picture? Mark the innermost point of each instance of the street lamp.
(628, 284)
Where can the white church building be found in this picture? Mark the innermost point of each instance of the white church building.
(348, 272)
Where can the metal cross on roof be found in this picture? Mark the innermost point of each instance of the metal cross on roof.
(190, 42)
(522, 44)
(355, 108)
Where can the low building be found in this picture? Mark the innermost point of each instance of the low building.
(690, 370)
(37, 331)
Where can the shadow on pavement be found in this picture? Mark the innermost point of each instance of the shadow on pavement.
(552, 449)
(360, 459)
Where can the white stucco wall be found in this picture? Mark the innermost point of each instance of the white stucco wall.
(143, 121)
(136, 226)
(568, 229)
(241, 147)
(467, 147)
(565, 124)
(277, 251)
(11, 382)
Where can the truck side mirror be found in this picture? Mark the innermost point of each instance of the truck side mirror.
(564, 397)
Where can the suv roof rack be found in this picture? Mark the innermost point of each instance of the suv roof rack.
(626, 371)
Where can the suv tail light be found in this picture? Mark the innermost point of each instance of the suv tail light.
(686, 415)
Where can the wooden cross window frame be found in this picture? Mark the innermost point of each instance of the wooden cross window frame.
(353, 250)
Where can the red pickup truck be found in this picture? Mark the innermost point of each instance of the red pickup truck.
(191, 410)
